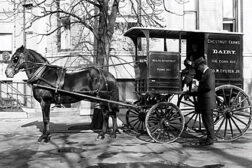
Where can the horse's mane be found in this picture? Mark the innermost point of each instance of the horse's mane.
(37, 56)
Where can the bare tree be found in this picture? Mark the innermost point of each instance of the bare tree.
(95, 16)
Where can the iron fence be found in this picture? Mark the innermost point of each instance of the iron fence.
(14, 95)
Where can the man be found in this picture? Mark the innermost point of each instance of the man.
(189, 72)
(205, 93)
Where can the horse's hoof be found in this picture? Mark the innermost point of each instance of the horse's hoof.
(118, 131)
(41, 138)
(45, 137)
(100, 137)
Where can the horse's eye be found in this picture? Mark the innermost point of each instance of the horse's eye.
(15, 59)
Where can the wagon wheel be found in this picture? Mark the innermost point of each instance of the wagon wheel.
(164, 122)
(135, 118)
(193, 118)
(232, 117)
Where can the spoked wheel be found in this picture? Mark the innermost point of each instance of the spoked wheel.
(135, 119)
(232, 117)
(193, 118)
(164, 122)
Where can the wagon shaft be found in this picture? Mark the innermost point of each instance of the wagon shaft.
(93, 98)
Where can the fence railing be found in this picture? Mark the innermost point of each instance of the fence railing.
(14, 95)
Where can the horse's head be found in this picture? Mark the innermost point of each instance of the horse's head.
(17, 62)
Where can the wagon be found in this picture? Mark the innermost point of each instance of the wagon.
(164, 111)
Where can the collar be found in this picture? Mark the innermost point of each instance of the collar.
(37, 74)
(205, 69)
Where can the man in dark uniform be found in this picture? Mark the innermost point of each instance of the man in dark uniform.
(205, 93)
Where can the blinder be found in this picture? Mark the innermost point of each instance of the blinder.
(17, 61)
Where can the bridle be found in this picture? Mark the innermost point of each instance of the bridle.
(37, 74)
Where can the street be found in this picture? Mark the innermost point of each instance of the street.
(74, 145)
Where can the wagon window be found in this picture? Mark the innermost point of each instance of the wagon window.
(172, 45)
(156, 44)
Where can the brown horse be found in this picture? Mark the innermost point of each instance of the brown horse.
(91, 81)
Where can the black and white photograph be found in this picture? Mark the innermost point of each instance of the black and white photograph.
(125, 84)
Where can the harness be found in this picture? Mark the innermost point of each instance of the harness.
(61, 78)
(59, 83)
(38, 76)
(98, 91)
(102, 76)
(61, 72)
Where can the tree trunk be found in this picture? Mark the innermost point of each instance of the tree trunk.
(105, 30)
(103, 56)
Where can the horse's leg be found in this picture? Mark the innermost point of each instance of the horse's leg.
(46, 120)
(114, 110)
(104, 124)
(115, 126)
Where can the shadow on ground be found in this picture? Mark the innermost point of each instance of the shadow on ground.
(64, 131)
(150, 165)
(59, 127)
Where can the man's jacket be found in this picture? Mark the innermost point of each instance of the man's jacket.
(206, 91)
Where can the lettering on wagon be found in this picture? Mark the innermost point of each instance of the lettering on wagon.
(227, 71)
(217, 41)
(224, 52)
(163, 69)
(223, 61)
(163, 60)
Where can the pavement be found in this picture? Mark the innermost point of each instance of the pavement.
(74, 145)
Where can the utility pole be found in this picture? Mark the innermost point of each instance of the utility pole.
(139, 23)
(15, 26)
(139, 13)
(24, 33)
(26, 5)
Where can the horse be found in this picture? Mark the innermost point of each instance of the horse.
(90, 80)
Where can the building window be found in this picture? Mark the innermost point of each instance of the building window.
(65, 38)
(230, 15)
(64, 26)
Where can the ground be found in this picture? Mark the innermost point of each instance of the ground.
(74, 145)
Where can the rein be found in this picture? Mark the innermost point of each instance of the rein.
(25, 69)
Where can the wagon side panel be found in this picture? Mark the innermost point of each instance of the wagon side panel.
(163, 76)
(224, 56)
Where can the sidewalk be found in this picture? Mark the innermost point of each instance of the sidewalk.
(74, 145)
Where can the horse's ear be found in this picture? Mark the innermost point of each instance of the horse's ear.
(22, 48)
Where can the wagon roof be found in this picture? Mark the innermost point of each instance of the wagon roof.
(135, 32)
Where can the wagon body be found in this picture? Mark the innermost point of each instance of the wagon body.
(223, 51)
(159, 73)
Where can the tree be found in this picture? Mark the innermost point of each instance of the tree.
(95, 16)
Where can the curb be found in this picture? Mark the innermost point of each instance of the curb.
(16, 115)
(29, 113)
